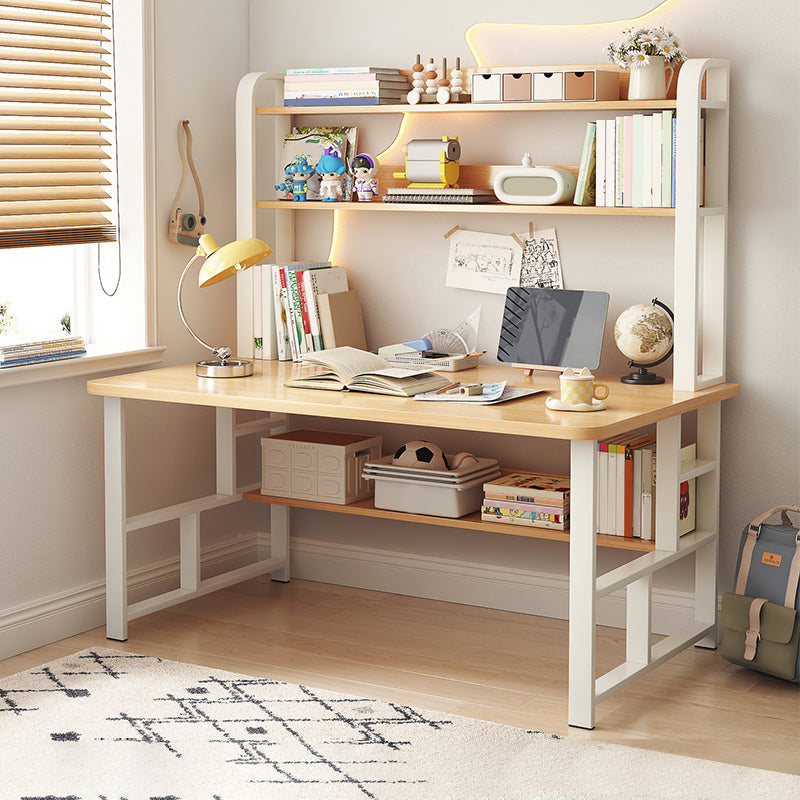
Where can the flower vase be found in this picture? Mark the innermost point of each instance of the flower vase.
(650, 82)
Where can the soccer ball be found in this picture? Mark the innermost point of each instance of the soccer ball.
(420, 455)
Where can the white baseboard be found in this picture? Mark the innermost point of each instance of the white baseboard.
(58, 616)
(472, 583)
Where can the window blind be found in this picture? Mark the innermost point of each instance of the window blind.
(55, 117)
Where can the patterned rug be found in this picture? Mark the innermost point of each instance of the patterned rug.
(108, 725)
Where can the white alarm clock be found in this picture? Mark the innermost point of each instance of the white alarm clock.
(536, 186)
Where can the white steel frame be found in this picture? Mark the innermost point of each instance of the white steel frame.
(119, 525)
(586, 587)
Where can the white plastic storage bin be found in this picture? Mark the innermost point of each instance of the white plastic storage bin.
(318, 465)
(439, 493)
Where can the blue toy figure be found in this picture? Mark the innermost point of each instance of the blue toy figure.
(331, 168)
(300, 170)
(286, 186)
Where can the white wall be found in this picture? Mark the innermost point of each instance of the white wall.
(398, 261)
(51, 436)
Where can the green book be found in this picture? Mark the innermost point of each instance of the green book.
(666, 159)
(585, 188)
(618, 163)
(638, 157)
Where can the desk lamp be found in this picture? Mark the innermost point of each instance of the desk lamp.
(221, 263)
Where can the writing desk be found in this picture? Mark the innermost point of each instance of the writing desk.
(629, 407)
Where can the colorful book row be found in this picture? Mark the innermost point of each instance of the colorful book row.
(629, 161)
(296, 288)
(626, 490)
(527, 498)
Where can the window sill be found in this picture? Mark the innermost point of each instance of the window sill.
(97, 359)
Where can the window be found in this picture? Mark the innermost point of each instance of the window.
(60, 265)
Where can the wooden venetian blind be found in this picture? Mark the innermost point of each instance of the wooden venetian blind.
(55, 114)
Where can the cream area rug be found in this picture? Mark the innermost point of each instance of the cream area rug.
(108, 725)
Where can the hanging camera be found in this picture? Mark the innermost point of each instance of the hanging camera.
(185, 227)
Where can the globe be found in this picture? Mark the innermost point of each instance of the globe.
(643, 334)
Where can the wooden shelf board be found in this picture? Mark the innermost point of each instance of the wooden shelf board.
(462, 208)
(366, 508)
(470, 108)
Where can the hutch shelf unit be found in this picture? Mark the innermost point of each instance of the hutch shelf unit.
(698, 387)
(701, 207)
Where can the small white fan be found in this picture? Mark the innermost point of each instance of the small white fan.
(444, 340)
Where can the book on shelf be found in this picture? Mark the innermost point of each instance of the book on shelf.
(635, 161)
(556, 512)
(343, 78)
(277, 292)
(318, 282)
(347, 368)
(493, 513)
(341, 70)
(336, 93)
(341, 101)
(688, 493)
(340, 320)
(546, 489)
(406, 194)
(585, 190)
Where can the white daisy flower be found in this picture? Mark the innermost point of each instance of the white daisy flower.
(638, 58)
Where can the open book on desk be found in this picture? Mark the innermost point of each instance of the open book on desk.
(342, 368)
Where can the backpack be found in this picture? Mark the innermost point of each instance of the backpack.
(760, 620)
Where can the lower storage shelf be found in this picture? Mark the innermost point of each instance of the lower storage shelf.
(366, 508)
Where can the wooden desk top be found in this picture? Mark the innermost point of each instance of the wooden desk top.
(629, 407)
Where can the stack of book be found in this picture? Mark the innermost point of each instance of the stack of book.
(629, 161)
(525, 498)
(18, 353)
(626, 504)
(296, 292)
(344, 86)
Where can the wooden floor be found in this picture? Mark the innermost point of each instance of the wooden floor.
(494, 665)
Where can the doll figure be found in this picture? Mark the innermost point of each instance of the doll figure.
(286, 185)
(330, 168)
(300, 171)
(364, 167)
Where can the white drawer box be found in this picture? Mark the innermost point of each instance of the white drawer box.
(317, 465)
(487, 87)
(548, 86)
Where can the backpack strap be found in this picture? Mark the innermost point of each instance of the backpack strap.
(753, 531)
(794, 576)
(754, 631)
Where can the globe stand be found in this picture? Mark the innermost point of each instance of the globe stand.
(642, 377)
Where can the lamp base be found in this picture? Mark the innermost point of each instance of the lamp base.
(217, 368)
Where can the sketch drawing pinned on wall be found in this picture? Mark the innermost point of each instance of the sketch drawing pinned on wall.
(483, 262)
(541, 263)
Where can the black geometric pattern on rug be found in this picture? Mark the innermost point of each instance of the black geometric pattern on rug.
(247, 724)
(15, 700)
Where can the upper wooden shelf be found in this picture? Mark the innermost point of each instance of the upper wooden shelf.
(470, 108)
(465, 208)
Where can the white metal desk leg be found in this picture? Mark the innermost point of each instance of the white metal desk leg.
(582, 590)
(116, 521)
(280, 528)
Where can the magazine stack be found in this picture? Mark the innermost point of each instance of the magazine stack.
(18, 353)
(525, 498)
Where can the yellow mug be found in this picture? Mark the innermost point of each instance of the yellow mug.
(578, 386)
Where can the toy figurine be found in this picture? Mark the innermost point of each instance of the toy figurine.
(364, 167)
(330, 168)
(300, 171)
(286, 185)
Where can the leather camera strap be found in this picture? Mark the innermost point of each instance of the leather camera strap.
(187, 160)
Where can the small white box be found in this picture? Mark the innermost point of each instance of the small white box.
(318, 465)
(548, 86)
(486, 87)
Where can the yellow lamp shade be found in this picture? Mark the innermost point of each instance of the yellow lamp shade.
(222, 262)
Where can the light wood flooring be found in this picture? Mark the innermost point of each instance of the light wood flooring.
(494, 665)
